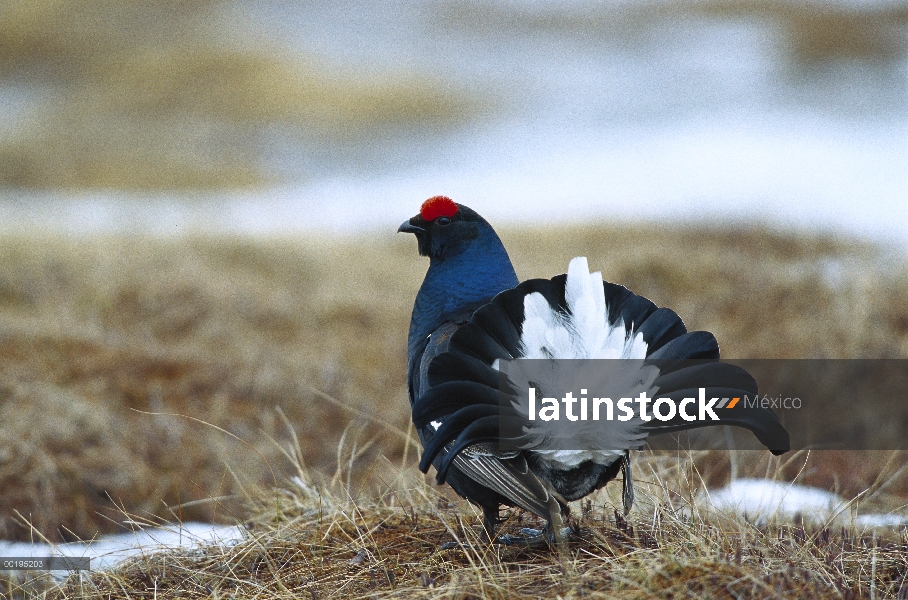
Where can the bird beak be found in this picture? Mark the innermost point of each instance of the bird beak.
(407, 227)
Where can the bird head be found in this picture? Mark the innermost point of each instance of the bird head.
(444, 228)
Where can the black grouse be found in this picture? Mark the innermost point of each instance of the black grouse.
(472, 311)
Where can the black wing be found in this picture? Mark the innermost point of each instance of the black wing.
(460, 391)
(462, 386)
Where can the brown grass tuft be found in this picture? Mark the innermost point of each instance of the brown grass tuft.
(104, 339)
(153, 95)
(96, 333)
(318, 539)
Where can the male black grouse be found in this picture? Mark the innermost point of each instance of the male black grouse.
(472, 311)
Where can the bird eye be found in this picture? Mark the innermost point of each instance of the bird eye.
(443, 220)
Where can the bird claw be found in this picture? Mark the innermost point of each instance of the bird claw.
(527, 538)
(533, 537)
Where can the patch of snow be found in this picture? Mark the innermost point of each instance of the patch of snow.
(759, 500)
(810, 175)
(871, 521)
(110, 550)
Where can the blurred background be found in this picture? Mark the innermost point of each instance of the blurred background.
(198, 201)
(269, 115)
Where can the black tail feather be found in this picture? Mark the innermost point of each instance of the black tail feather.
(481, 431)
(661, 327)
(463, 387)
(452, 426)
(624, 304)
(691, 345)
(475, 341)
(689, 374)
(447, 398)
(495, 323)
(459, 366)
(762, 422)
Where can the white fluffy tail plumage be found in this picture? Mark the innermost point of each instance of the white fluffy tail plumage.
(584, 332)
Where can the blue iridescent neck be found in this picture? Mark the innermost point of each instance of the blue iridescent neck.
(455, 286)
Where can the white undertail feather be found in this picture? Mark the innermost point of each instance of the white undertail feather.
(585, 333)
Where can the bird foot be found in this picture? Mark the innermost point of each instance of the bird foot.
(451, 545)
(527, 538)
(534, 537)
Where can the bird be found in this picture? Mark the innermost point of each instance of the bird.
(471, 312)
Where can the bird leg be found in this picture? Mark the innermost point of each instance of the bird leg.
(491, 518)
(627, 486)
(555, 531)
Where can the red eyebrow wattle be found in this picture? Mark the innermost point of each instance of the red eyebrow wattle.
(437, 206)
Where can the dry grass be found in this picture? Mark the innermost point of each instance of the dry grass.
(322, 539)
(817, 32)
(220, 330)
(152, 95)
(810, 32)
(163, 95)
(262, 337)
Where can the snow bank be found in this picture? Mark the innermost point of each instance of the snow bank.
(759, 500)
(107, 551)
